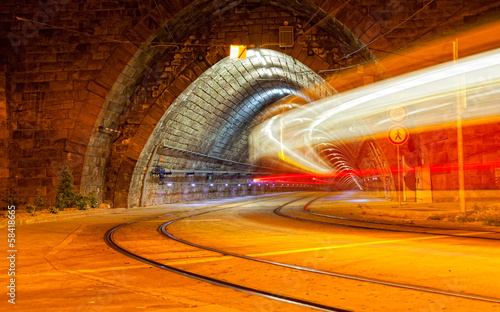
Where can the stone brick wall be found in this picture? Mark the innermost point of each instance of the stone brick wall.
(212, 116)
(4, 133)
(174, 71)
(50, 67)
(69, 67)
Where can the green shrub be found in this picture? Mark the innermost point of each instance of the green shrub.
(488, 215)
(65, 196)
(12, 199)
(81, 201)
(492, 222)
(39, 202)
(464, 218)
(62, 203)
(53, 209)
(435, 218)
(92, 197)
(31, 209)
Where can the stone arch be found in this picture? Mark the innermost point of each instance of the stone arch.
(139, 67)
(223, 122)
(55, 81)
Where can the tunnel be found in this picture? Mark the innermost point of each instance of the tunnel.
(250, 155)
(119, 90)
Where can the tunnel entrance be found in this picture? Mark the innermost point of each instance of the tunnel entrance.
(201, 142)
(141, 83)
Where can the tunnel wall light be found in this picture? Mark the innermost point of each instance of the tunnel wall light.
(108, 131)
(238, 52)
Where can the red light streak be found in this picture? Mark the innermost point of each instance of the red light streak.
(320, 179)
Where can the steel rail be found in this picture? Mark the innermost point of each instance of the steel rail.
(108, 238)
(378, 222)
(163, 230)
(408, 226)
(277, 212)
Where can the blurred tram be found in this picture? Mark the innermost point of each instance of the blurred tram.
(325, 138)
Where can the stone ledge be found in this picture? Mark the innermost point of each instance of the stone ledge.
(23, 220)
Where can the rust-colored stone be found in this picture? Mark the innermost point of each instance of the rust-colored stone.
(58, 80)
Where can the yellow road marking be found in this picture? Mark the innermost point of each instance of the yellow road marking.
(98, 270)
(191, 261)
(284, 252)
(201, 220)
(275, 253)
(343, 246)
(472, 233)
(143, 266)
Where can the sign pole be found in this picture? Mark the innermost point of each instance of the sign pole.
(403, 183)
(398, 135)
(399, 178)
(460, 147)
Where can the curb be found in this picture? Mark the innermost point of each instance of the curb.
(57, 217)
(407, 214)
(103, 211)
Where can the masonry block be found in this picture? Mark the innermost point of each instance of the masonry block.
(53, 74)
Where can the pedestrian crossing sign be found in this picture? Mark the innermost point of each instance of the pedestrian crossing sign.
(398, 135)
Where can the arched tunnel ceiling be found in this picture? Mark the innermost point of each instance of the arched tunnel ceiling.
(222, 101)
(213, 116)
(146, 88)
(90, 85)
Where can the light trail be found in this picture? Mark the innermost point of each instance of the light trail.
(430, 97)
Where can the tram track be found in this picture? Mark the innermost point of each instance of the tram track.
(110, 241)
(385, 226)
(164, 230)
(308, 210)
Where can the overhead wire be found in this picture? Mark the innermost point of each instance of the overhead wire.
(386, 33)
(163, 19)
(400, 47)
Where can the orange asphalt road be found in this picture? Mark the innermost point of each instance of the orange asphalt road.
(66, 266)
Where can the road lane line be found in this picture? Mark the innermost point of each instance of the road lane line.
(201, 220)
(344, 246)
(361, 244)
(284, 252)
(475, 233)
(200, 260)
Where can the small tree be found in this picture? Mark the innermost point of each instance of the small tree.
(92, 197)
(39, 202)
(81, 201)
(31, 209)
(65, 189)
